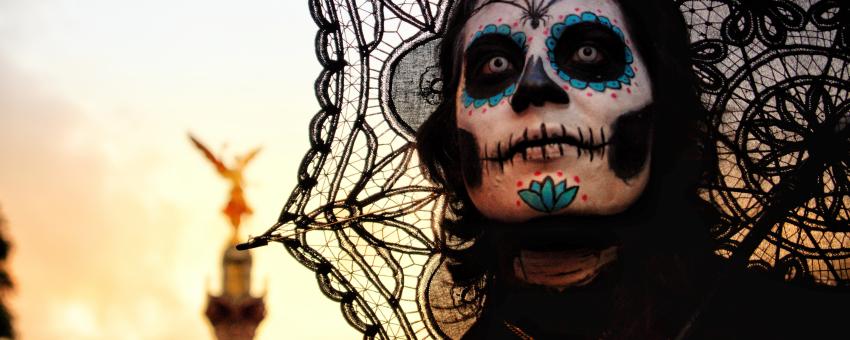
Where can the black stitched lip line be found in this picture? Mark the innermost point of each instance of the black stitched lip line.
(585, 142)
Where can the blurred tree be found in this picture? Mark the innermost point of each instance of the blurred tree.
(6, 330)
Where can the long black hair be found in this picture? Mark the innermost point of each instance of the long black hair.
(664, 251)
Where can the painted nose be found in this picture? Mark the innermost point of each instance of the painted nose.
(536, 88)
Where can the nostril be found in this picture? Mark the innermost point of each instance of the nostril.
(536, 88)
(520, 101)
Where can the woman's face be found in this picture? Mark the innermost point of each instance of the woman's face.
(553, 109)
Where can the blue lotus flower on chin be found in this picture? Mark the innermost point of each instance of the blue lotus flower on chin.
(547, 196)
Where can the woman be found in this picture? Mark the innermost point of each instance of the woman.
(564, 142)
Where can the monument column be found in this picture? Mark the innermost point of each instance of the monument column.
(235, 313)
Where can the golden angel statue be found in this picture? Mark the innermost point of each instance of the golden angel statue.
(237, 206)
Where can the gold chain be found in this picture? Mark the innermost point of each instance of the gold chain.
(516, 330)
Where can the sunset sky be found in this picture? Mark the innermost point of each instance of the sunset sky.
(114, 216)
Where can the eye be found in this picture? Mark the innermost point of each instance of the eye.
(492, 62)
(588, 54)
(496, 64)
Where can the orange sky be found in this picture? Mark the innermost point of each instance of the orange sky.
(113, 214)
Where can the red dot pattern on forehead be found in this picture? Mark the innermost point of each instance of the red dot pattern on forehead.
(584, 198)
(560, 174)
(518, 203)
(629, 90)
(537, 173)
(576, 179)
(519, 184)
(614, 95)
(590, 94)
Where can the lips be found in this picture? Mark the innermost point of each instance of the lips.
(547, 143)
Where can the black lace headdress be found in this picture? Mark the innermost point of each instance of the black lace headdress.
(774, 73)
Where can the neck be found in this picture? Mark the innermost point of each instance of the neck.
(559, 293)
(561, 269)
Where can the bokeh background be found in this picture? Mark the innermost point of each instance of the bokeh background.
(113, 215)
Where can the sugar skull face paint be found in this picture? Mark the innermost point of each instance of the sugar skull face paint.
(496, 77)
(554, 113)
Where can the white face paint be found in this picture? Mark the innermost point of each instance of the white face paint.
(553, 110)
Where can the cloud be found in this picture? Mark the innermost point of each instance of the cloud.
(90, 244)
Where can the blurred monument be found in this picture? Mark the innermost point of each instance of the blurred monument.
(235, 313)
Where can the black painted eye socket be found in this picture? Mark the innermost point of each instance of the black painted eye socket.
(590, 52)
(493, 62)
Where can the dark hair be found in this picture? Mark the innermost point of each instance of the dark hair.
(668, 237)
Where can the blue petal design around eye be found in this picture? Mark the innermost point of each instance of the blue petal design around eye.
(588, 16)
(618, 32)
(477, 35)
(557, 29)
(550, 43)
(510, 90)
(519, 38)
(467, 100)
(503, 29)
(489, 28)
(479, 102)
(578, 84)
(494, 100)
